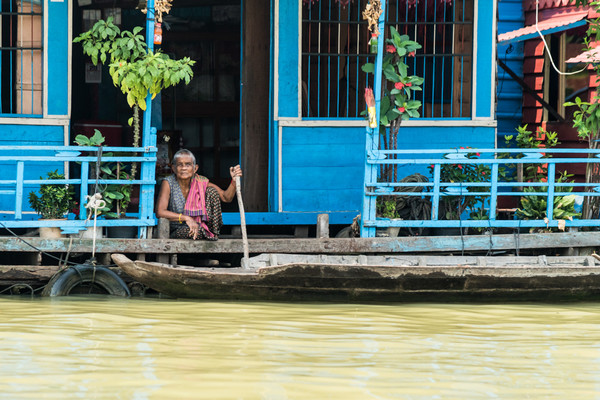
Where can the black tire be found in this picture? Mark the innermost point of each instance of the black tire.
(63, 283)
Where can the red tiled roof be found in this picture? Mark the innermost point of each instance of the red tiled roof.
(558, 20)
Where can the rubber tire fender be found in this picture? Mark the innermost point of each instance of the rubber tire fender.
(64, 281)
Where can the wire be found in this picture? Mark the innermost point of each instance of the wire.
(43, 252)
(537, 9)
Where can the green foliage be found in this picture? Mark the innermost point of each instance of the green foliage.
(116, 196)
(452, 206)
(527, 139)
(134, 69)
(386, 207)
(96, 140)
(397, 100)
(534, 207)
(55, 200)
(586, 119)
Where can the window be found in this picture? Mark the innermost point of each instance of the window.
(21, 60)
(560, 88)
(335, 45)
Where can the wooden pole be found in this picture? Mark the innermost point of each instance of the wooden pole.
(238, 189)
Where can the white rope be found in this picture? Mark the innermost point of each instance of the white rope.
(537, 9)
(94, 203)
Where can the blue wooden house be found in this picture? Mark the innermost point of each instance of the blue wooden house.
(277, 87)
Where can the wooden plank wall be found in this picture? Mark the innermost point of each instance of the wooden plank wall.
(322, 168)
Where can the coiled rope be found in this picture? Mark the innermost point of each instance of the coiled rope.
(413, 207)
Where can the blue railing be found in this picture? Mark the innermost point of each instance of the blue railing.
(16, 185)
(493, 176)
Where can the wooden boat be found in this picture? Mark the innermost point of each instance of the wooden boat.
(290, 277)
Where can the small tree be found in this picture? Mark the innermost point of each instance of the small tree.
(133, 68)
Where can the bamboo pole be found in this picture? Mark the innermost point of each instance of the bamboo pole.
(238, 189)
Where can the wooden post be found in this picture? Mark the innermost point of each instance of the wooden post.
(238, 188)
(163, 233)
(323, 226)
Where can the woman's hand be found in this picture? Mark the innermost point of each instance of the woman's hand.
(193, 225)
(235, 171)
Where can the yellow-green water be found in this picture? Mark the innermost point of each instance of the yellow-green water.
(101, 348)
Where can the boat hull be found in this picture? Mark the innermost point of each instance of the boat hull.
(321, 281)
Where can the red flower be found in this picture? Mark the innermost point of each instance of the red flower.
(482, 172)
(431, 166)
(411, 54)
(477, 154)
(401, 109)
(399, 85)
(390, 48)
(459, 166)
(408, 84)
(461, 147)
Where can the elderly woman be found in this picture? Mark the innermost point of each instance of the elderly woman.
(190, 202)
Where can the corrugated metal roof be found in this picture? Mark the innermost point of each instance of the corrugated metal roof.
(556, 23)
(589, 56)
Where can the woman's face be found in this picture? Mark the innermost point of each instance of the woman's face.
(184, 167)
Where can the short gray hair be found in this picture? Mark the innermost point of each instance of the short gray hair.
(182, 153)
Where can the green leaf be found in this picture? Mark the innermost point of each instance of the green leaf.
(369, 68)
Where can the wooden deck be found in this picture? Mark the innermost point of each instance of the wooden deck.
(412, 244)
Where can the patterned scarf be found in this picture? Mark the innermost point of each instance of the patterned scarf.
(195, 205)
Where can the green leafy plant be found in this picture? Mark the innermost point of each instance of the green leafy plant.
(116, 196)
(55, 200)
(526, 139)
(534, 206)
(452, 205)
(397, 100)
(386, 207)
(133, 68)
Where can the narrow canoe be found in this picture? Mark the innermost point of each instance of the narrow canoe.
(289, 277)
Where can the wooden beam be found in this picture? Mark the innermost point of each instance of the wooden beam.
(417, 244)
(530, 91)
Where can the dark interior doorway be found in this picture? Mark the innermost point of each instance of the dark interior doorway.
(204, 116)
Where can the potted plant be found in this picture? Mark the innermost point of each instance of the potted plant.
(117, 196)
(533, 206)
(54, 202)
(387, 208)
(453, 200)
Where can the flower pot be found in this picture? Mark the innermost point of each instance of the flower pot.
(50, 232)
(88, 233)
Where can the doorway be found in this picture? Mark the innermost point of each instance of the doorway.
(204, 116)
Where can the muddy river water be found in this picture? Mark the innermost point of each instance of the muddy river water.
(150, 348)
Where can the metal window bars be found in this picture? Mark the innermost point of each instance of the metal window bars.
(21, 55)
(335, 46)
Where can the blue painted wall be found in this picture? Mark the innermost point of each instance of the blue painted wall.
(510, 94)
(58, 66)
(485, 64)
(322, 168)
(288, 58)
(27, 135)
